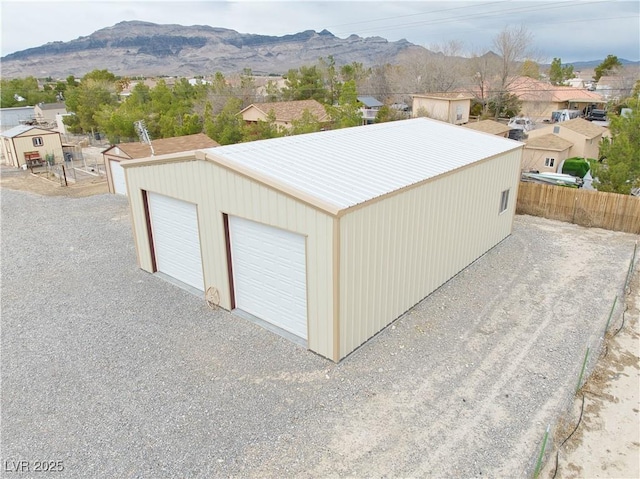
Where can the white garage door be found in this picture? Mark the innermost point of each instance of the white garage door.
(174, 226)
(117, 175)
(269, 274)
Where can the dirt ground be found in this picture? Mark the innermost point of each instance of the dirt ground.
(606, 442)
(601, 438)
(16, 179)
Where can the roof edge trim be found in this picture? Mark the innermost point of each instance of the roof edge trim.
(270, 182)
(161, 159)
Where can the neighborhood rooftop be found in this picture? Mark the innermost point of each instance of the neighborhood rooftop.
(165, 146)
(19, 130)
(350, 166)
(549, 142)
(584, 127)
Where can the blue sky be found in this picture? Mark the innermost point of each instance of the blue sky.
(573, 30)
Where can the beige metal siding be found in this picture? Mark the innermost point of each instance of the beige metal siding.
(217, 190)
(51, 144)
(396, 251)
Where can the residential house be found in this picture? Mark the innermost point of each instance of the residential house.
(27, 145)
(545, 153)
(576, 83)
(540, 99)
(452, 107)
(369, 108)
(614, 87)
(115, 154)
(285, 112)
(47, 113)
(584, 136)
(489, 126)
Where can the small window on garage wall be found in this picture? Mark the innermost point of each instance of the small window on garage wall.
(37, 141)
(504, 201)
(549, 162)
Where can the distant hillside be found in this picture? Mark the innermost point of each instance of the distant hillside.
(141, 48)
(591, 64)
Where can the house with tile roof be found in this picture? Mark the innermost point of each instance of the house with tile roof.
(285, 112)
(452, 107)
(584, 136)
(540, 99)
(121, 152)
(489, 126)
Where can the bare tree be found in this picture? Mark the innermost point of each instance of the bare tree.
(513, 46)
(482, 68)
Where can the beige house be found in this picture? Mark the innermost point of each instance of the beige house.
(489, 126)
(115, 154)
(316, 241)
(545, 153)
(584, 136)
(25, 145)
(285, 112)
(47, 112)
(450, 107)
(539, 99)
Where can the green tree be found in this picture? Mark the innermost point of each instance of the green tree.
(331, 81)
(226, 127)
(304, 84)
(386, 113)
(620, 168)
(97, 89)
(307, 123)
(262, 129)
(347, 113)
(506, 105)
(530, 69)
(24, 91)
(558, 73)
(608, 66)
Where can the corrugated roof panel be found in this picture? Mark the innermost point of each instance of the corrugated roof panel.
(350, 166)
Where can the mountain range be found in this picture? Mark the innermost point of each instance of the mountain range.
(134, 48)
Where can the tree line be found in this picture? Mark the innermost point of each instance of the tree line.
(212, 106)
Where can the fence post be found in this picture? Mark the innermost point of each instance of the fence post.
(541, 455)
(584, 365)
(610, 314)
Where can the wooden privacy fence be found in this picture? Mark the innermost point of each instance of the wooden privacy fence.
(583, 207)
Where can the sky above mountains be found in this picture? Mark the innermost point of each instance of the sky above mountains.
(573, 30)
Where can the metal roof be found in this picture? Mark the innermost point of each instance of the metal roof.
(20, 129)
(370, 102)
(350, 166)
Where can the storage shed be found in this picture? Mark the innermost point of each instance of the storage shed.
(326, 237)
(115, 154)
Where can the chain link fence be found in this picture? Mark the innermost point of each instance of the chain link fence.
(557, 434)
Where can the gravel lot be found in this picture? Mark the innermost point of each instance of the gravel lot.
(117, 373)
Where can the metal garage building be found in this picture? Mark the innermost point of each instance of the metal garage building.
(328, 236)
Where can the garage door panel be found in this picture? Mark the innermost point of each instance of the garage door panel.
(176, 240)
(269, 272)
(118, 178)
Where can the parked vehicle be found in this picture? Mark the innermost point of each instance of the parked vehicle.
(521, 123)
(592, 113)
(564, 115)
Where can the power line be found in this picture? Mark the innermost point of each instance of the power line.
(475, 16)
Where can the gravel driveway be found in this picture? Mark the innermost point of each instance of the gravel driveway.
(117, 373)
